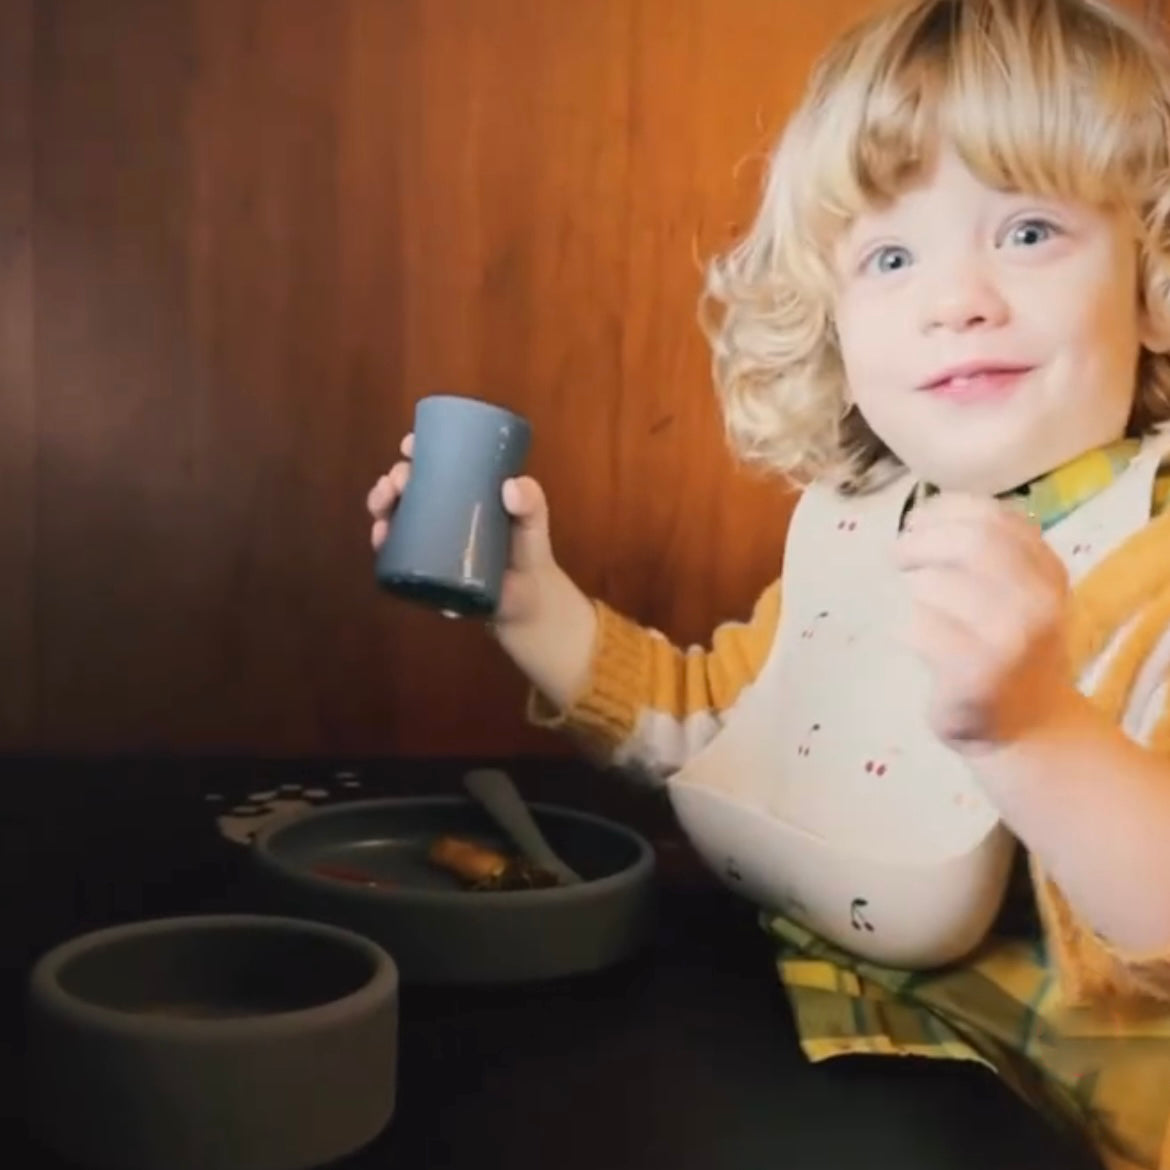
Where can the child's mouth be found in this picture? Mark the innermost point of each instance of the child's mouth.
(977, 383)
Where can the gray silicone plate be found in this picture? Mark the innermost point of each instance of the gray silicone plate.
(438, 932)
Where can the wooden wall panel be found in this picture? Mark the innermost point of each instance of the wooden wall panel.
(18, 445)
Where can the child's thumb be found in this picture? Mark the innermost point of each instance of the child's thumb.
(525, 502)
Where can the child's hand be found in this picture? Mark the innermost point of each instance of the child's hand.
(989, 605)
(531, 553)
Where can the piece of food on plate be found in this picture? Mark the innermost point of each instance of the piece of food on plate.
(481, 868)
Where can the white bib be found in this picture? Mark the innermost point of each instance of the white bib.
(826, 797)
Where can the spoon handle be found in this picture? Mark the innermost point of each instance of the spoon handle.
(498, 795)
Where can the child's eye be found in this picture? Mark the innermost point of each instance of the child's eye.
(1027, 233)
(888, 258)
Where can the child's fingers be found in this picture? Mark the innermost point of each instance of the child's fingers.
(398, 476)
(384, 494)
(525, 502)
(407, 445)
(379, 496)
(378, 533)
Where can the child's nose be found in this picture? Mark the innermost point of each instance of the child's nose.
(964, 298)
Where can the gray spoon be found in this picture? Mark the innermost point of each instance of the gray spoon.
(495, 791)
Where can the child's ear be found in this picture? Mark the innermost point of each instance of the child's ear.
(1156, 340)
(1154, 326)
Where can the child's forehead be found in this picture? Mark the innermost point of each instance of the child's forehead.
(952, 198)
(965, 178)
(947, 176)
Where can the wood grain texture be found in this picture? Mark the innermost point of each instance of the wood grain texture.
(18, 406)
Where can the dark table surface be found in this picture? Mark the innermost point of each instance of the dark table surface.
(684, 1058)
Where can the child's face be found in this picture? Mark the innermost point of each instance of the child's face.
(988, 336)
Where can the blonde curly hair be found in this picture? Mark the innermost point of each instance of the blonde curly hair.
(1065, 98)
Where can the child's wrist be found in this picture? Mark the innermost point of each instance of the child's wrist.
(1068, 718)
(542, 599)
(552, 643)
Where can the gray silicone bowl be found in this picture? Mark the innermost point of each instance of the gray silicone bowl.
(228, 1042)
(440, 933)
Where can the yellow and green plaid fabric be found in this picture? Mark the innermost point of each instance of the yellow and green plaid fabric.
(1100, 1071)
(1052, 497)
(1104, 1071)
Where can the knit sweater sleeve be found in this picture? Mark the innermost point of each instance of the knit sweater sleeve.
(1135, 690)
(648, 705)
(1092, 968)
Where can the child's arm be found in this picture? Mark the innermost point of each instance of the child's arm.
(1093, 807)
(1084, 783)
(627, 693)
(552, 644)
(647, 705)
